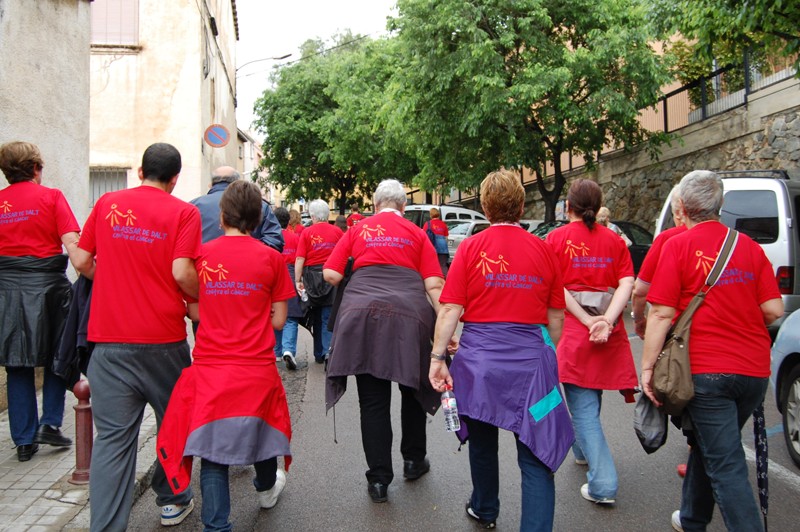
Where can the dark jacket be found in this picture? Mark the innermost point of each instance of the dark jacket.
(35, 295)
(269, 232)
(74, 350)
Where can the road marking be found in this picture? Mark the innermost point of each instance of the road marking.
(777, 429)
(776, 470)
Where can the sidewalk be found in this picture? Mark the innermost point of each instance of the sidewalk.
(37, 496)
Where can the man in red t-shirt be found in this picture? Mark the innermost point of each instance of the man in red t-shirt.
(144, 242)
(355, 216)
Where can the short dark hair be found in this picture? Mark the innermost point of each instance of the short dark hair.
(283, 216)
(161, 162)
(240, 206)
(585, 198)
(19, 160)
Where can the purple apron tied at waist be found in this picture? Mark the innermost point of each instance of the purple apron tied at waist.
(506, 374)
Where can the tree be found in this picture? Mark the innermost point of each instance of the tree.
(490, 83)
(322, 137)
(720, 25)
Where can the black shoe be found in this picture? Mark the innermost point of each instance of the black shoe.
(48, 435)
(377, 491)
(413, 470)
(25, 452)
(482, 523)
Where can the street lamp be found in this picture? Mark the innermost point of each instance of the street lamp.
(263, 59)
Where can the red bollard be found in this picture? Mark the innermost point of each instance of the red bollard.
(84, 433)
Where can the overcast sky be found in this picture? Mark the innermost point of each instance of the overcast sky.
(272, 29)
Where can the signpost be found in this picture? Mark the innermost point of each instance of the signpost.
(217, 136)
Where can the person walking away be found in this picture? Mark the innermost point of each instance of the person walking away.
(315, 246)
(729, 352)
(395, 271)
(505, 285)
(295, 221)
(268, 229)
(35, 222)
(594, 353)
(355, 216)
(286, 339)
(440, 232)
(144, 242)
(229, 407)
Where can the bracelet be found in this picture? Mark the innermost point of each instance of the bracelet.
(440, 358)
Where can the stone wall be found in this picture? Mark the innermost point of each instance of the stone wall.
(763, 135)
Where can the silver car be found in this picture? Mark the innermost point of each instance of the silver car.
(459, 230)
(785, 379)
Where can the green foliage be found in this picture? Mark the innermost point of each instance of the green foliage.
(490, 83)
(322, 138)
(731, 25)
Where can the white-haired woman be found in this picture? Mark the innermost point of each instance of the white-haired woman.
(315, 246)
(729, 346)
(383, 333)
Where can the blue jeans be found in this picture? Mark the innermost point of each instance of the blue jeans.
(538, 486)
(322, 336)
(584, 406)
(23, 410)
(286, 340)
(215, 488)
(717, 470)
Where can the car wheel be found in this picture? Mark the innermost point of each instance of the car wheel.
(791, 414)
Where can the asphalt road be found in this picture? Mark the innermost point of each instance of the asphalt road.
(326, 488)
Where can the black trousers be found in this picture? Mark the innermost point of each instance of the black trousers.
(374, 398)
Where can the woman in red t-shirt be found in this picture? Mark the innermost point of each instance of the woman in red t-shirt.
(35, 221)
(505, 285)
(440, 232)
(729, 350)
(295, 221)
(315, 246)
(229, 407)
(594, 353)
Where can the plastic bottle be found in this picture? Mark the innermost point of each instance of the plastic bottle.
(450, 410)
(303, 295)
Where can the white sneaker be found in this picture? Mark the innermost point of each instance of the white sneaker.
(585, 495)
(269, 498)
(676, 521)
(174, 514)
(581, 461)
(289, 360)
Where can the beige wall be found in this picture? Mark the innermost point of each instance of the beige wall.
(162, 91)
(44, 75)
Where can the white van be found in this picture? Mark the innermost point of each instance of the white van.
(420, 213)
(763, 204)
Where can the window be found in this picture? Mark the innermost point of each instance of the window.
(115, 22)
(753, 212)
(102, 180)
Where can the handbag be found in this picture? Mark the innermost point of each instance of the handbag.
(595, 303)
(650, 424)
(672, 371)
(320, 293)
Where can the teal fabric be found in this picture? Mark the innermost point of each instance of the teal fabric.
(546, 404)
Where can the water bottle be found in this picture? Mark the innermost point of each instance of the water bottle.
(303, 296)
(450, 410)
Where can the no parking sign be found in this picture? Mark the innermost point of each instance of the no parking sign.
(217, 136)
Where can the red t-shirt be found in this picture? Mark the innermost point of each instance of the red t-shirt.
(728, 333)
(240, 278)
(290, 240)
(298, 228)
(32, 220)
(437, 226)
(598, 258)
(135, 235)
(651, 259)
(386, 238)
(504, 274)
(317, 243)
(354, 219)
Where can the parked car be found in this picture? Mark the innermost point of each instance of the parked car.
(459, 230)
(530, 225)
(641, 239)
(785, 380)
(420, 213)
(764, 205)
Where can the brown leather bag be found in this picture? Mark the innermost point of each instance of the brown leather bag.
(672, 372)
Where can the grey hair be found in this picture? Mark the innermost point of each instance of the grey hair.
(701, 192)
(390, 193)
(234, 176)
(674, 198)
(319, 210)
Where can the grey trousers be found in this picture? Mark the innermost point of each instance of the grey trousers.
(123, 379)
